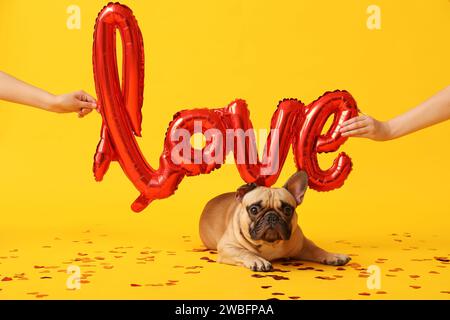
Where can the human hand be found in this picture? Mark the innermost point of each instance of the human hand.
(78, 101)
(365, 126)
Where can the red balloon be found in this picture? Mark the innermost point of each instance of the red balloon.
(226, 130)
(309, 142)
(279, 140)
(184, 126)
(121, 108)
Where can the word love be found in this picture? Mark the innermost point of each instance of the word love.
(293, 124)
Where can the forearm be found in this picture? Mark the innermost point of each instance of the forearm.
(434, 110)
(14, 90)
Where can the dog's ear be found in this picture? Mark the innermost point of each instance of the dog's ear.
(243, 190)
(297, 185)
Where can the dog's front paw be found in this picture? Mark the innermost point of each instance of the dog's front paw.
(258, 264)
(336, 259)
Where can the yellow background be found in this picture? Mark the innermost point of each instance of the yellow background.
(205, 54)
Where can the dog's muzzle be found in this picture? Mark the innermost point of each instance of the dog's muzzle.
(272, 219)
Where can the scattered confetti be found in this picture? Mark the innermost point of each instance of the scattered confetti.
(442, 259)
(395, 270)
(325, 278)
(95, 260)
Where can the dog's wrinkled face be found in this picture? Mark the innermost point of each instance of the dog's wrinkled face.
(269, 213)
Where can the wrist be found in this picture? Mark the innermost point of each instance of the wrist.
(388, 130)
(52, 102)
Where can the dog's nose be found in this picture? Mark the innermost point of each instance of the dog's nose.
(272, 218)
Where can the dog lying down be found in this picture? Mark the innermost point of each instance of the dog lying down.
(256, 225)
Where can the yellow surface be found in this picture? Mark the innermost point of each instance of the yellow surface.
(203, 53)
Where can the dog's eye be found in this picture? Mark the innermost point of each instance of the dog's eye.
(253, 209)
(288, 210)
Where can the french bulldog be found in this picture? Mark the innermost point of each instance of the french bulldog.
(256, 225)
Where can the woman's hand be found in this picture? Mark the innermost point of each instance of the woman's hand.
(17, 91)
(365, 126)
(79, 102)
(434, 110)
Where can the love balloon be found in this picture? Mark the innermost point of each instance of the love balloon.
(293, 123)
